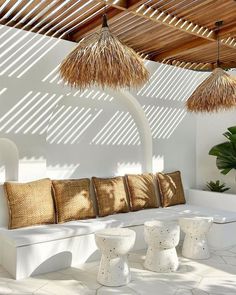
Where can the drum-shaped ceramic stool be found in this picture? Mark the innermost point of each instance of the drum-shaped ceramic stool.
(195, 242)
(114, 243)
(162, 237)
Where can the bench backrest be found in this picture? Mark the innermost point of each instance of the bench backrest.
(3, 208)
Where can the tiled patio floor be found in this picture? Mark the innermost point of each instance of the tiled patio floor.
(216, 276)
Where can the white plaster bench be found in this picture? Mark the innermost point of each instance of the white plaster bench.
(33, 250)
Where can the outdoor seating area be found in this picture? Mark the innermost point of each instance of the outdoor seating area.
(118, 147)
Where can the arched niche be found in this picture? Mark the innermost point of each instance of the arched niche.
(143, 126)
(9, 159)
(67, 158)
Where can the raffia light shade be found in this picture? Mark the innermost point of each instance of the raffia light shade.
(103, 60)
(217, 92)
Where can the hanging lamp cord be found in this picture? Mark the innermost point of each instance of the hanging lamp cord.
(218, 49)
(104, 21)
(104, 17)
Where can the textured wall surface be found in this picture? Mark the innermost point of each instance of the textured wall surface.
(64, 133)
(209, 133)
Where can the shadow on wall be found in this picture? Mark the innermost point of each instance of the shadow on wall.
(81, 133)
(163, 121)
(95, 137)
(56, 128)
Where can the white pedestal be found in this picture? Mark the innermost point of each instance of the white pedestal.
(195, 244)
(162, 238)
(114, 244)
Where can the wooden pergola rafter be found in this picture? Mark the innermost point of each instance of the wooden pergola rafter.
(141, 9)
(158, 29)
(196, 66)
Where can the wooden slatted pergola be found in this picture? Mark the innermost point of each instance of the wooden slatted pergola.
(177, 32)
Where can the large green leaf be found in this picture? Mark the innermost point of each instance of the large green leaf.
(225, 148)
(232, 138)
(225, 152)
(232, 129)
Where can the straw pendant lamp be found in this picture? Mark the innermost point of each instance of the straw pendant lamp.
(217, 92)
(103, 60)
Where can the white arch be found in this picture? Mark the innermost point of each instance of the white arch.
(142, 123)
(9, 158)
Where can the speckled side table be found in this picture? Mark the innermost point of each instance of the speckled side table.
(114, 243)
(195, 242)
(162, 237)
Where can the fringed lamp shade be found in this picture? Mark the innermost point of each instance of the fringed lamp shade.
(217, 92)
(103, 60)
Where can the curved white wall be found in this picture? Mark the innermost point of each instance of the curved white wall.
(143, 126)
(9, 159)
(90, 136)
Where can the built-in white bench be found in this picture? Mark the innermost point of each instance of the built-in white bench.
(39, 249)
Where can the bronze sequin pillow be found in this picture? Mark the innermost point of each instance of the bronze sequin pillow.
(171, 188)
(30, 203)
(141, 191)
(111, 195)
(72, 199)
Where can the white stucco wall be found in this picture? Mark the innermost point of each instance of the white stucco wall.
(210, 128)
(63, 133)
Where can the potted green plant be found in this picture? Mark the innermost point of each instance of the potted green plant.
(216, 186)
(225, 152)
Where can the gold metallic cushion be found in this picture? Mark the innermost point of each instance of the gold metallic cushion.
(30, 203)
(171, 188)
(141, 191)
(111, 195)
(72, 199)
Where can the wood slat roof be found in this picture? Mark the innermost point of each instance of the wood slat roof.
(178, 32)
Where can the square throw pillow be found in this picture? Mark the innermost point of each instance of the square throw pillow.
(30, 203)
(171, 188)
(111, 195)
(72, 199)
(141, 191)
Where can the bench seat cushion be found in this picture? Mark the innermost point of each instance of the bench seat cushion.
(219, 216)
(45, 233)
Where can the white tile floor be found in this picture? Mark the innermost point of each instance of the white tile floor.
(215, 276)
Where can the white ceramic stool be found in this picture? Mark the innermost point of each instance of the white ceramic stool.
(114, 243)
(195, 242)
(162, 237)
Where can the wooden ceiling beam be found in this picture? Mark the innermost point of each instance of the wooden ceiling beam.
(171, 21)
(140, 9)
(229, 42)
(181, 24)
(123, 4)
(196, 66)
(228, 31)
(175, 23)
(189, 65)
(94, 25)
(153, 15)
(119, 4)
(133, 4)
(179, 50)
